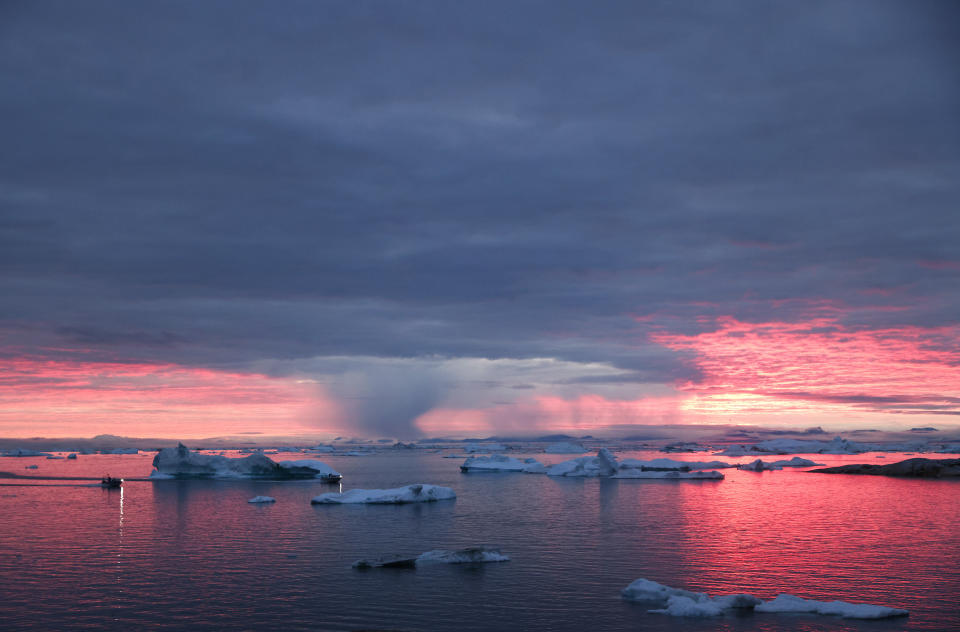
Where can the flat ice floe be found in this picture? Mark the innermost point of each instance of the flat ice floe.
(684, 603)
(419, 493)
(565, 447)
(501, 463)
(181, 462)
(471, 555)
(262, 499)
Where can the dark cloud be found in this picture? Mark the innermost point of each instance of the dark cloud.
(226, 182)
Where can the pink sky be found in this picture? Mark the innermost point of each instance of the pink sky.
(815, 372)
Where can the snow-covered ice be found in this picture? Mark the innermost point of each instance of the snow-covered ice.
(501, 463)
(758, 466)
(262, 499)
(565, 447)
(684, 603)
(795, 462)
(790, 603)
(181, 462)
(410, 494)
(603, 464)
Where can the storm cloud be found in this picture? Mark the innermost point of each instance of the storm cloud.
(260, 184)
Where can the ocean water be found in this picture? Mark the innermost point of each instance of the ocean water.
(195, 555)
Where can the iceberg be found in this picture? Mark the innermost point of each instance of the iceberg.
(684, 603)
(53, 457)
(670, 475)
(121, 451)
(838, 445)
(501, 463)
(673, 464)
(30, 467)
(565, 447)
(471, 555)
(790, 603)
(410, 494)
(321, 448)
(72, 457)
(604, 464)
(262, 499)
(758, 466)
(795, 462)
(181, 462)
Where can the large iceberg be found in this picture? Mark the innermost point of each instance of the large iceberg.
(471, 555)
(419, 493)
(565, 447)
(684, 603)
(501, 463)
(604, 464)
(474, 448)
(181, 462)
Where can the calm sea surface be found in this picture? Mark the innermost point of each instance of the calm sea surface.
(195, 555)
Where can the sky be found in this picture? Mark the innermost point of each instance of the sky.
(408, 219)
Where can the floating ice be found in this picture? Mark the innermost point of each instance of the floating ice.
(795, 462)
(180, 462)
(120, 451)
(684, 603)
(758, 466)
(30, 467)
(565, 447)
(321, 448)
(53, 457)
(471, 555)
(72, 457)
(262, 499)
(673, 464)
(838, 445)
(669, 474)
(604, 464)
(410, 494)
(790, 603)
(501, 463)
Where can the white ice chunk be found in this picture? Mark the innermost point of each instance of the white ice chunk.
(565, 447)
(704, 606)
(501, 463)
(671, 475)
(262, 499)
(758, 466)
(673, 464)
(410, 494)
(650, 591)
(795, 462)
(181, 462)
(463, 556)
(790, 603)
(604, 464)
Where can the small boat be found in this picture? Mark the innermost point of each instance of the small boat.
(108, 482)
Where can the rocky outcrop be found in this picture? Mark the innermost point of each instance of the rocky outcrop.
(917, 468)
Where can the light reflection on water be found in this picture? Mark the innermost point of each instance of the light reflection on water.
(194, 554)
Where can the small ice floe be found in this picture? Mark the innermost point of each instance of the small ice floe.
(419, 493)
(795, 462)
(181, 462)
(72, 456)
(759, 466)
(356, 453)
(262, 499)
(604, 464)
(501, 463)
(54, 457)
(471, 555)
(790, 603)
(121, 451)
(321, 448)
(565, 447)
(684, 603)
(31, 467)
(474, 448)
